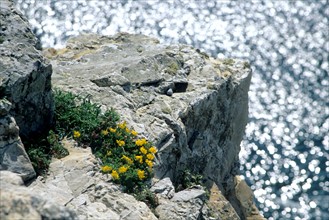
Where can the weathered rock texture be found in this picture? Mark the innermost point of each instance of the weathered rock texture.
(192, 107)
(25, 76)
(12, 153)
(75, 181)
(19, 203)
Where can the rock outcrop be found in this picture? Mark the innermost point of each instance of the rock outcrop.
(25, 76)
(192, 107)
(75, 181)
(12, 153)
(17, 202)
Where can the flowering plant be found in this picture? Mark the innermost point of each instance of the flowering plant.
(127, 158)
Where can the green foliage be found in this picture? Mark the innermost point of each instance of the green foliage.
(128, 159)
(149, 198)
(41, 149)
(74, 112)
(189, 179)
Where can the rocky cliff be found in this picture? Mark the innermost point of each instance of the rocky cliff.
(194, 108)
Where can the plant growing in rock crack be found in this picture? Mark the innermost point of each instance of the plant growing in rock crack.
(126, 157)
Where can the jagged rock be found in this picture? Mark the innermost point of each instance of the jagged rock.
(12, 153)
(19, 203)
(186, 204)
(164, 188)
(246, 197)
(219, 207)
(198, 125)
(75, 181)
(25, 76)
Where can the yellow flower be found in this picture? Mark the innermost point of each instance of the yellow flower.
(134, 133)
(139, 159)
(127, 159)
(143, 150)
(122, 125)
(140, 142)
(108, 153)
(120, 143)
(76, 134)
(127, 130)
(112, 130)
(106, 169)
(123, 169)
(149, 163)
(115, 174)
(141, 174)
(150, 156)
(104, 132)
(153, 150)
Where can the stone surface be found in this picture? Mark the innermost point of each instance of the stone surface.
(164, 188)
(25, 76)
(19, 203)
(75, 181)
(219, 207)
(12, 153)
(192, 107)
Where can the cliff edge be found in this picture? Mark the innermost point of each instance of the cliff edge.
(192, 107)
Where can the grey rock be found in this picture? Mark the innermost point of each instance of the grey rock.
(12, 153)
(199, 127)
(25, 76)
(164, 188)
(18, 202)
(186, 204)
(75, 181)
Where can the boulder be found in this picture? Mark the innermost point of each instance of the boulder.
(192, 107)
(12, 153)
(19, 203)
(25, 76)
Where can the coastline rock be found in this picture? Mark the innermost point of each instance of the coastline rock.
(199, 126)
(12, 153)
(25, 76)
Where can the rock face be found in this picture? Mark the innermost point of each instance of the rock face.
(75, 181)
(19, 203)
(12, 153)
(25, 76)
(194, 108)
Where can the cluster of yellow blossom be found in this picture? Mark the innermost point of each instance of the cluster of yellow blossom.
(127, 159)
(123, 169)
(76, 134)
(153, 150)
(149, 163)
(134, 133)
(112, 130)
(143, 150)
(120, 143)
(106, 169)
(104, 132)
(141, 174)
(115, 174)
(122, 125)
(140, 142)
(139, 159)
